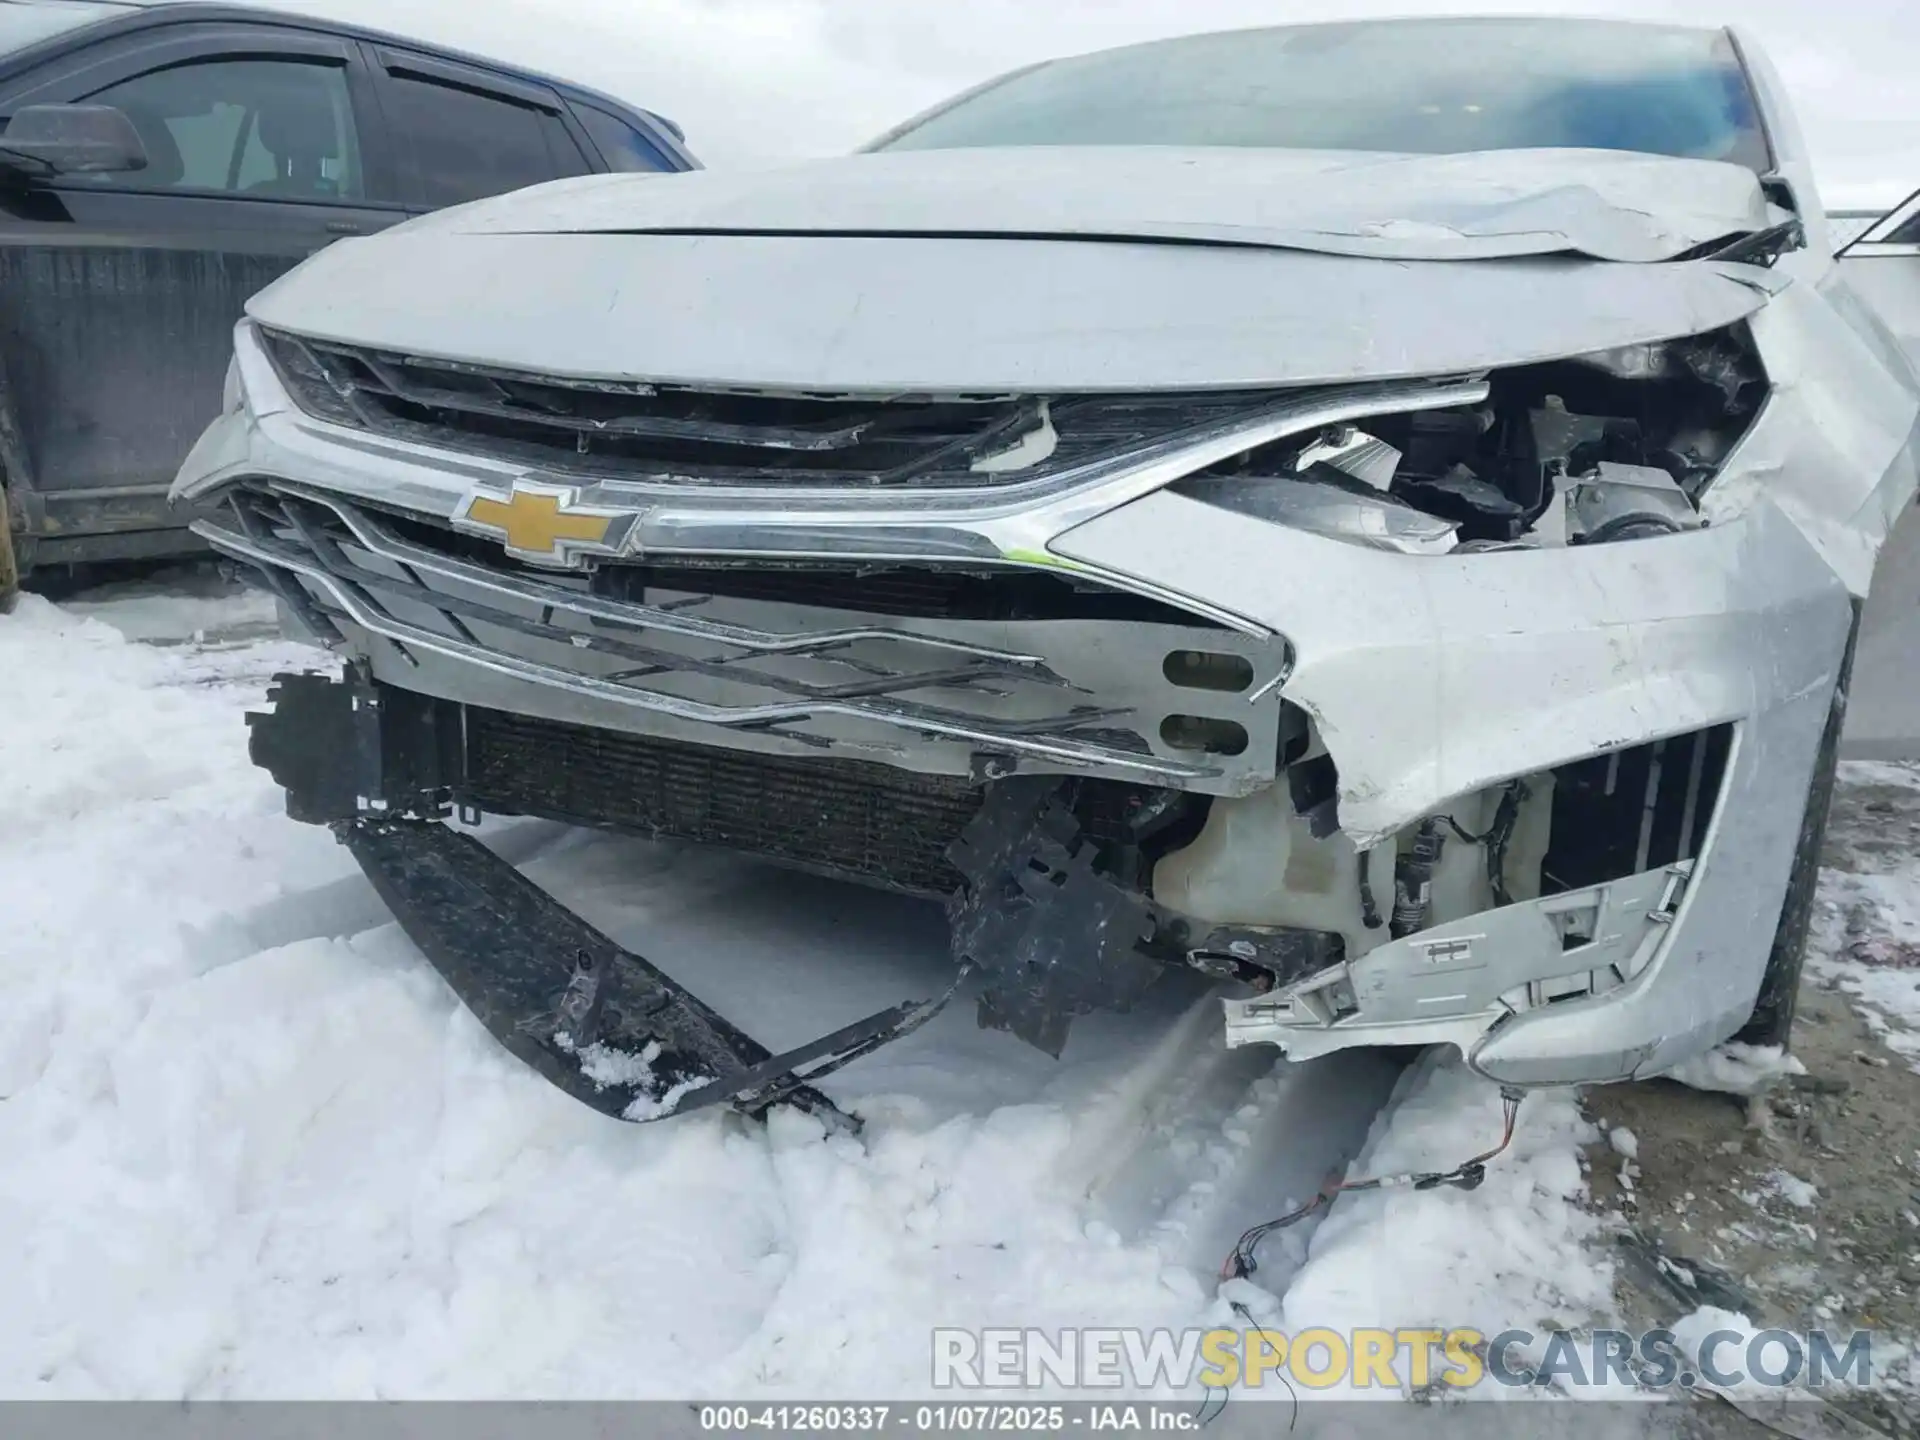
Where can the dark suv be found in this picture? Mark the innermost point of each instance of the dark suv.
(160, 163)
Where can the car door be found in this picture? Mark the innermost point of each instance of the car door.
(1882, 267)
(121, 291)
(463, 133)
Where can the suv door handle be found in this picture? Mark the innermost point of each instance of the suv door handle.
(343, 227)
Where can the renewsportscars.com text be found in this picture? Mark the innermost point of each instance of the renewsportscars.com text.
(1367, 1359)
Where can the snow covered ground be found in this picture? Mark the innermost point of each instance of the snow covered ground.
(1867, 940)
(250, 1147)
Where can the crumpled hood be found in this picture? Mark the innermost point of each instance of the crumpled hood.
(1606, 204)
(1049, 271)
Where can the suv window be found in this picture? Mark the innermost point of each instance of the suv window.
(620, 145)
(466, 144)
(273, 129)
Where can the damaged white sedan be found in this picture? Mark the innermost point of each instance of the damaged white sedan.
(1374, 512)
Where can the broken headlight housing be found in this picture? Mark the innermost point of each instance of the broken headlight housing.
(1596, 448)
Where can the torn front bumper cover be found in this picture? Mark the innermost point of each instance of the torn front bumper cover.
(1432, 679)
(1049, 934)
(1444, 983)
(597, 1021)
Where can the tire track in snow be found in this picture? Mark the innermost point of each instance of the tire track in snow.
(993, 1185)
(1191, 1148)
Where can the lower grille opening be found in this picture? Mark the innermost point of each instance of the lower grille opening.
(848, 819)
(864, 822)
(1633, 810)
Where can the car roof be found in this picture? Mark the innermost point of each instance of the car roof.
(134, 13)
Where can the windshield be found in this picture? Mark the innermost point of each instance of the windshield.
(28, 22)
(1404, 86)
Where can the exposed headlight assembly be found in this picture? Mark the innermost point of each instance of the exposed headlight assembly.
(1583, 451)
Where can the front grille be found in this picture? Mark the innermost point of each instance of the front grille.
(925, 592)
(682, 435)
(1058, 697)
(864, 822)
(845, 818)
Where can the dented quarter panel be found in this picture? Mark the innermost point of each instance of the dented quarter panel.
(1435, 676)
(1835, 448)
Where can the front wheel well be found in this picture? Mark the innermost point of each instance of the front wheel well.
(1772, 1020)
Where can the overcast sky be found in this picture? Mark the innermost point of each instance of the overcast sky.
(754, 81)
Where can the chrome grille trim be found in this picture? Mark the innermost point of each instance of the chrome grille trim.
(1080, 734)
(702, 438)
(1074, 485)
(384, 543)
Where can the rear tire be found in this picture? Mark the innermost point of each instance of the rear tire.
(1772, 1020)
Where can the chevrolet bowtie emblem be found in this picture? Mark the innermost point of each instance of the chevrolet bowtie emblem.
(545, 523)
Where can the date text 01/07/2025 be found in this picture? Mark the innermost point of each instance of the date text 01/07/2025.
(864, 1419)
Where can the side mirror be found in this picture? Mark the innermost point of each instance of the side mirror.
(72, 140)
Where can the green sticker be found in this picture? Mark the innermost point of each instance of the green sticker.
(1041, 557)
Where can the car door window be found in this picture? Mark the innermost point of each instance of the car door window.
(272, 129)
(466, 144)
(620, 145)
